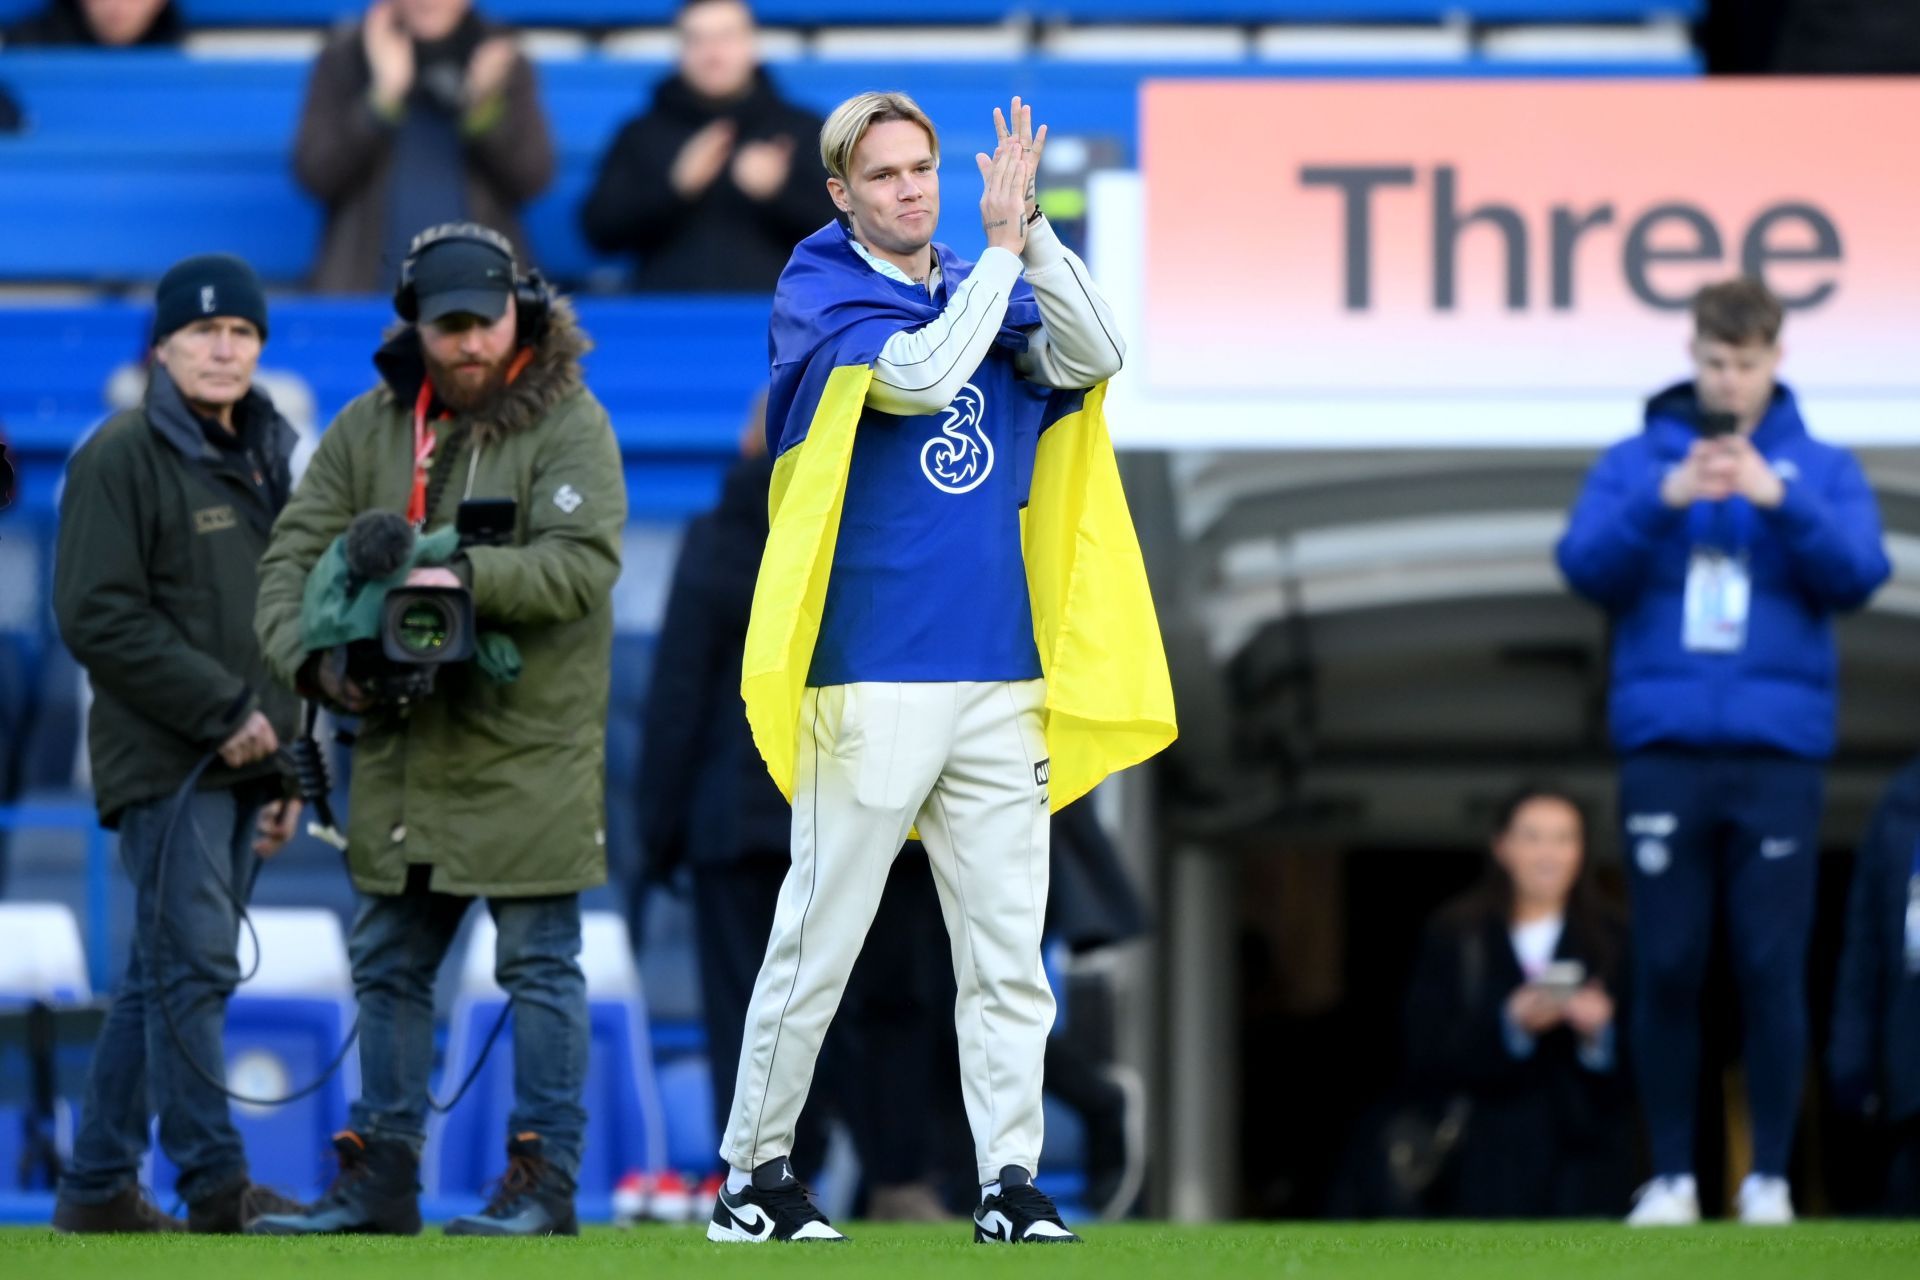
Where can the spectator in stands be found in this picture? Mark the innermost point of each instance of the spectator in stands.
(1514, 1012)
(716, 183)
(1846, 37)
(424, 113)
(1873, 1056)
(1722, 541)
(107, 24)
(166, 512)
(491, 785)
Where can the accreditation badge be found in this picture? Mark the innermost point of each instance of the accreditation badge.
(1719, 593)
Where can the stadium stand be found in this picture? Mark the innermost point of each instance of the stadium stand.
(614, 13)
(131, 160)
(194, 150)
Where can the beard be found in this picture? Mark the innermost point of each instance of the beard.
(465, 388)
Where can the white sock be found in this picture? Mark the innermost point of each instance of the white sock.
(738, 1180)
(989, 1189)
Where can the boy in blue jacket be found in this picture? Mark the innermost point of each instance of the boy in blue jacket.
(1721, 541)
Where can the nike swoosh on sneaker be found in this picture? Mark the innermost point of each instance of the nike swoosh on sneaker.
(749, 1218)
(994, 1226)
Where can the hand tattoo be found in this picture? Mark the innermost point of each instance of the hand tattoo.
(995, 225)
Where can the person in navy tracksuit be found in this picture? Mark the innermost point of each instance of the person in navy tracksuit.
(1873, 1056)
(1721, 541)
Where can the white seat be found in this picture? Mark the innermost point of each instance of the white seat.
(1447, 42)
(303, 952)
(662, 44)
(920, 44)
(1146, 44)
(291, 46)
(606, 957)
(44, 957)
(1645, 42)
(553, 44)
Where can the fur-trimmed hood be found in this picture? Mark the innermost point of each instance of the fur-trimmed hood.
(551, 376)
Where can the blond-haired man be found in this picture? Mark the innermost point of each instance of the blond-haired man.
(924, 700)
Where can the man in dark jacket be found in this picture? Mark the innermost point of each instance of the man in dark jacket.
(165, 515)
(1873, 1056)
(717, 182)
(105, 24)
(422, 114)
(491, 787)
(1722, 541)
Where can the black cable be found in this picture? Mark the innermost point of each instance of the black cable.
(161, 933)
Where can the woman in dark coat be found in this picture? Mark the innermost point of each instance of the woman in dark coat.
(1514, 1023)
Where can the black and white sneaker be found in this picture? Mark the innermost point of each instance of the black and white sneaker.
(774, 1206)
(1019, 1213)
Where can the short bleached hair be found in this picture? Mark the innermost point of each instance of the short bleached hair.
(851, 120)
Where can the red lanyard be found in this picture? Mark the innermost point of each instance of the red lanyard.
(424, 439)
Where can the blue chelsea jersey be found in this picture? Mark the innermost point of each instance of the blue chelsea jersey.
(928, 581)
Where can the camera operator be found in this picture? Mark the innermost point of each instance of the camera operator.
(1722, 541)
(166, 511)
(488, 787)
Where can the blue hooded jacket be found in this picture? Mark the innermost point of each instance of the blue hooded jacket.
(1819, 553)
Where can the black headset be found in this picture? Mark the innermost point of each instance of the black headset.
(532, 295)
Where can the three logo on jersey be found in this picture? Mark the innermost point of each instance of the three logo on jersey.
(960, 456)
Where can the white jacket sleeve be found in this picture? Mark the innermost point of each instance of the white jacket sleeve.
(1077, 344)
(921, 370)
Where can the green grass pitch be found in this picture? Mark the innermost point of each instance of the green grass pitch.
(1813, 1251)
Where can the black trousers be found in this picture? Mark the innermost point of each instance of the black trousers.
(877, 1066)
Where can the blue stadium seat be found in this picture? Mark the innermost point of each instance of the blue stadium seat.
(686, 1091)
(275, 1044)
(284, 1026)
(627, 1128)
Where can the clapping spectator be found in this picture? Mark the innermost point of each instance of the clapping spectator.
(421, 114)
(108, 24)
(716, 183)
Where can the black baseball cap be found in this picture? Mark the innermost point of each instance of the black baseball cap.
(457, 277)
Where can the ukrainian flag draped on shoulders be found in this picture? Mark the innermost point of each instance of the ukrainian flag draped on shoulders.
(1109, 697)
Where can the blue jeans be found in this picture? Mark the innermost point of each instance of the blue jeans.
(137, 1066)
(1736, 836)
(398, 943)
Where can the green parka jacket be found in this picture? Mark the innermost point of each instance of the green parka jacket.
(498, 787)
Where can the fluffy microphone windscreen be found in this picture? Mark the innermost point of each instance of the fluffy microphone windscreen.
(378, 543)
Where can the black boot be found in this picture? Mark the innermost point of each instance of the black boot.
(534, 1198)
(133, 1210)
(228, 1212)
(377, 1192)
